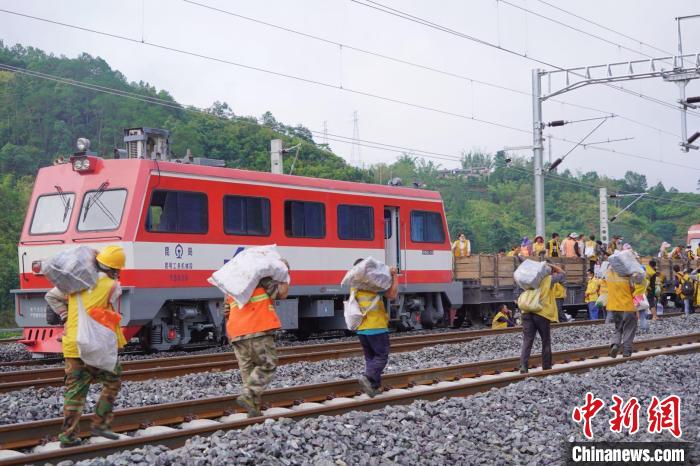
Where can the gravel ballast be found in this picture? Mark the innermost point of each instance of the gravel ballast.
(525, 423)
(44, 403)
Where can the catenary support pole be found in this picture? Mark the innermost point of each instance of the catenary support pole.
(276, 165)
(537, 151)
(603, 206)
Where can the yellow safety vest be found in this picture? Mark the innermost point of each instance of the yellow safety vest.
(592, 290)
(496, 324)
(96, 297)
(549, 305)
(619, 293)
(461, 248)
(376, 317)
(553, 248)
(559, 291)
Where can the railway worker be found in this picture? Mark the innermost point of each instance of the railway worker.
(79, 376)
(462, 247)
(525, 247)
(623, 311)
(553, 246)
(590, 251)
(689, 255)
(539, 322)
(651, 292)
(677, 252)
(373, 332)
(683, 286)
(559, 292)
(251, 331)
(539, 249)
(697, 252)
(569, 247)
(591, 295)
(503, 318)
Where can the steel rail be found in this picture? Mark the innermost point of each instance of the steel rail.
(470, 379)
(144, 369)
(33, 433)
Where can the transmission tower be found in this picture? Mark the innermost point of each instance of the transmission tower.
(325, 132)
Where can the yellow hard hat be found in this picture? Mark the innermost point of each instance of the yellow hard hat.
(112, 257)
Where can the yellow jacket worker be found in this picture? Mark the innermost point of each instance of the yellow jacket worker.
(79, 376)
(462, 247)
(624, 315)
(539, 322)
(373, 332)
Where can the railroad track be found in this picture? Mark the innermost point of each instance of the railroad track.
(206, 416)
(145, 369)
(9, 340)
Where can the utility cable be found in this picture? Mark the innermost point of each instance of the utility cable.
(400, 14)
(414, 64)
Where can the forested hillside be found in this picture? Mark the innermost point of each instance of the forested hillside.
(41, 119)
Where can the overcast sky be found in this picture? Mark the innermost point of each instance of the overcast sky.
(199, 82)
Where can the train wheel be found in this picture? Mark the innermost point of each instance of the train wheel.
(427, 319)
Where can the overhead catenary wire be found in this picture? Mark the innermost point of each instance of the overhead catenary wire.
(276, 73)
(425, 67)
(284, 75)
(406, 16)
(245, 120)
(639, 41)
(336, 138)
(573, 28)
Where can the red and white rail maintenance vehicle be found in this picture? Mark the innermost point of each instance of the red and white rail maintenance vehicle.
(179, 220)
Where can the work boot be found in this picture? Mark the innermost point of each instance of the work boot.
(523, 369)
(105, 432)
(367, 386)
(67, 442)
(249, 405)
(613, 351)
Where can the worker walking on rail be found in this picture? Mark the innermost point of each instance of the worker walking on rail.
(623, 311)
(251, 331)
(79, 375)
(373, 332)
(462, 247)
(538, 322)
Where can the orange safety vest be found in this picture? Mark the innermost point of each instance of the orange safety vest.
(258, 315)
(569, 250)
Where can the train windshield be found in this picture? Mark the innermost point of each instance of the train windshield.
(102, 210)
(52, 213)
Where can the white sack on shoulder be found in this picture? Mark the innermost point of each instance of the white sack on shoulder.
(624, 263)
(369, 275)
(72, 270)
(530, 273)
(239, 276)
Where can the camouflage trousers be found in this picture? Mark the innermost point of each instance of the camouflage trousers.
(257, 363)
(78, 378)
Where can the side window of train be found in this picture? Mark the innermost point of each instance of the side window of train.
(248, 216)
(178, 212)
(355, 222)
(426, 227)
(303, 219)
